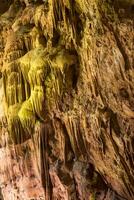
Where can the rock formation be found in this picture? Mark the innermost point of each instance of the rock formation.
(66, 100)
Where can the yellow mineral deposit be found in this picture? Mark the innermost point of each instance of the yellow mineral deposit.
(66, 100)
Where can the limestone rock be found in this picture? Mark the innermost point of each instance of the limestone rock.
(66, 100)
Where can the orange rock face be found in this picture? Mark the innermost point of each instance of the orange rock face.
(66, 100)
(20, 178)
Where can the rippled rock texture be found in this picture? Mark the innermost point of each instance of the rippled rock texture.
(66, 100)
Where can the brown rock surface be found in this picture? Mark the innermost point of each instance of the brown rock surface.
(66, 100)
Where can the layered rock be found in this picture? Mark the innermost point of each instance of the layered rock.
(66, 85)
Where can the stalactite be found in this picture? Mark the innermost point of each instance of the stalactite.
(66, 111)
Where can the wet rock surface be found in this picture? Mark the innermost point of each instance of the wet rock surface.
(66, 100)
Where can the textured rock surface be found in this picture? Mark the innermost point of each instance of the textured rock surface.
(66, 100)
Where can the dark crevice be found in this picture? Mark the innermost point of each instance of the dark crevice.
(56, 38)
(4, 5)
(44, 162)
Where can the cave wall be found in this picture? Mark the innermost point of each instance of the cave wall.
(66, 100)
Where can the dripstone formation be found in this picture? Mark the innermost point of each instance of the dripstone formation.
(66, 100)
